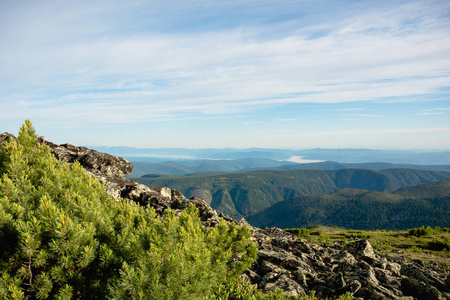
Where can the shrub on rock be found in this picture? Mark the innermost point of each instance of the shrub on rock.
(62, 236)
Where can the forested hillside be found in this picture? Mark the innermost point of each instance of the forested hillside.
(203, 165)
(184, 167)
(422, 205)
(244, 194)
(331, 165)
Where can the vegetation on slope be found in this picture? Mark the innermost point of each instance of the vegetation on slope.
(359, 209)
(426, 191)
(62, 236)
(245, 194)
(185, 167)
(331, 165)
(431, 245)
(201, 166)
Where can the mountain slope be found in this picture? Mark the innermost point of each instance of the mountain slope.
(331, 165)
(426, 191)
(244, 194)
(359, 209)
(184, 167)
(204, 165)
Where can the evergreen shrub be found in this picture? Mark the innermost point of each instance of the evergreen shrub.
(298, 232)
(422, 231)
(63, 237)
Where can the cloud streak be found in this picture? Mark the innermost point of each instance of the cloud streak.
(116, 62)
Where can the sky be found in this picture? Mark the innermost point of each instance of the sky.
(214, 74)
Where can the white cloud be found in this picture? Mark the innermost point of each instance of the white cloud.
(430, 113)
(119, 62)
(253, 122)
(233, 65)
(286, 120)
(364, 115)
(369, 132)
(23, 103)
(349, 109)
(433, 111)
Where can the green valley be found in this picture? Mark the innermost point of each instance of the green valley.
(427, 204)
(248, 193)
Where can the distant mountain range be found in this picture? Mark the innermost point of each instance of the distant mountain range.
(330, 165)
(185, 167)
(204, 165)
(340, 155)
(247, 193)
(409, 207)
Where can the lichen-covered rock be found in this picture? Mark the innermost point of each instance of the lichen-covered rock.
(93, 161)
(5, 136)
(273, 280)
(362, 249)
(420, 289)
(417, 270)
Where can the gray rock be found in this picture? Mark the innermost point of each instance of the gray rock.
(420, 290)
(5, 136)
(336, 281)
(361, 249)
(353, 286)
(273, 281)
(417, 271)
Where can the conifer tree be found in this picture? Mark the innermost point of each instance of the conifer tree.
(63, 237)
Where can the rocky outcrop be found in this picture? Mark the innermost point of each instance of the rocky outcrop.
(297, 267)
(111, 171)
(284, 261)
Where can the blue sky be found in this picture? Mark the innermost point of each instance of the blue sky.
(213, 74)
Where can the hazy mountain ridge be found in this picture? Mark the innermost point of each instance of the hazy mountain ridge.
(430, 157)
(244, 194)
(359, 209)
(183, 167)
(378, 166)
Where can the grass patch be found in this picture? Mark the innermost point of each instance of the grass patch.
(440, 244)
(431, 245)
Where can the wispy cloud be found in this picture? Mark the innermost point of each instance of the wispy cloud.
(349, 109)
(364, 115)
(114, 62)
(433, 111)
(211, 69)
(368, 132)
(286, 120)
(430, 113)
(272, 132)
(252, 123)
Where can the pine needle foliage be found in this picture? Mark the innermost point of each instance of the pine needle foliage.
(63, 237)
